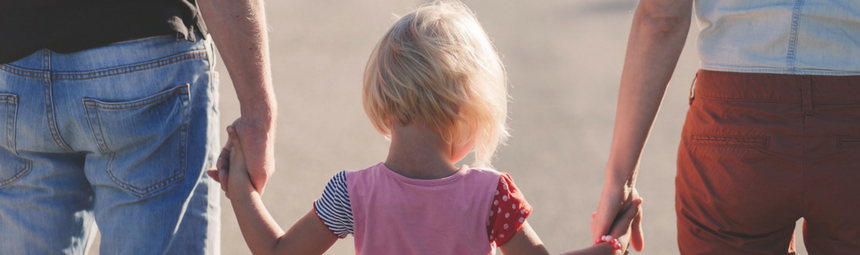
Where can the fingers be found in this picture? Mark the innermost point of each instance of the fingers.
(607, 210)
(224, 158)
(637, 237)
(623, 222)
(213, 173)
(222, 175)
(634, 210)
(234, 137)
(223, 164)
(237, 156)
(621, 227)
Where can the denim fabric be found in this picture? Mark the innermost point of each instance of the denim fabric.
(119, 135)
(814, 37)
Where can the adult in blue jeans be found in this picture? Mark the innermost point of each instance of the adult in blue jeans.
(108, 115)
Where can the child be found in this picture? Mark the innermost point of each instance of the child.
(436, 88)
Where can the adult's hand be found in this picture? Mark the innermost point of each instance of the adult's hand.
(258, 151)
(625, 222)
(258, 147)
(614, 202)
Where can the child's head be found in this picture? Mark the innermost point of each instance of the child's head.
(436, 64)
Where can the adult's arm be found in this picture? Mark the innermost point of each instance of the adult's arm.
(656, 39)
(239, 30)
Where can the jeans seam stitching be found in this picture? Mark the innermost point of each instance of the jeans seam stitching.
(11, 131)
(791, 53)
(49, 104)
(100, 140)
(133, 68)
(140, 102)
(23, 72)
(28, 166)
(6, 122)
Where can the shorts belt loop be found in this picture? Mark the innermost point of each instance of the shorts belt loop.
(806, 91)
(693, 88)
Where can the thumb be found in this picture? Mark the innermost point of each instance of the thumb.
(637, 237)
(213, 173)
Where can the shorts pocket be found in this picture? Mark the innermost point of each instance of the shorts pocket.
(849, 142)
(731, 141)
(145, 139)
(12, 167)
(732, 166)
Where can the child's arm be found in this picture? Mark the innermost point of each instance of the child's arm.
(262, 234)
(526, 241)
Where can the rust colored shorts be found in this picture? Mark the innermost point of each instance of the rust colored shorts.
(760, 151)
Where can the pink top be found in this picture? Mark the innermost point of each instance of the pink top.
(438, 216)
(470, 212)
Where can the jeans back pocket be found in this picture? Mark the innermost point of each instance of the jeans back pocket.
(144, 141)
(12, 167)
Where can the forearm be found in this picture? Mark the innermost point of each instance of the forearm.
(657, 37)
(239, 31)
(260, 230)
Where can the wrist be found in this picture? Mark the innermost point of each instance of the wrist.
(611, 244)
(242, 192)
(621, 176)
(259, 114)
(241, 196)
(262, 106)
(259, 121)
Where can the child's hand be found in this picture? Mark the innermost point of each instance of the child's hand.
(219, 174)
(621, 227)
(237, 174)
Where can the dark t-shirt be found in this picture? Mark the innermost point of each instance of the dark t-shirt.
(65, 26)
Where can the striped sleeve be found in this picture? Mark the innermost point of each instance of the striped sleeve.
(333, 207)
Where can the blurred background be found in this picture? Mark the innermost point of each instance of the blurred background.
(564, 61)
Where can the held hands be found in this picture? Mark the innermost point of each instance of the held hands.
(258, 144)
(621, 228)
(221, 171)
(614, 206)
(237, 171)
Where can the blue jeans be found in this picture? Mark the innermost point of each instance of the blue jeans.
(120, 136)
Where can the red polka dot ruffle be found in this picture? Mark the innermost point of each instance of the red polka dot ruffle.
(508, 212)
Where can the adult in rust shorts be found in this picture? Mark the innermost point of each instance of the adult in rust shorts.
(773, 130)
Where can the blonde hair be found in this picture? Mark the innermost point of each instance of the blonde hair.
(437, 64)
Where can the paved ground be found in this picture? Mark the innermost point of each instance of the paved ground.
(564, 61)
